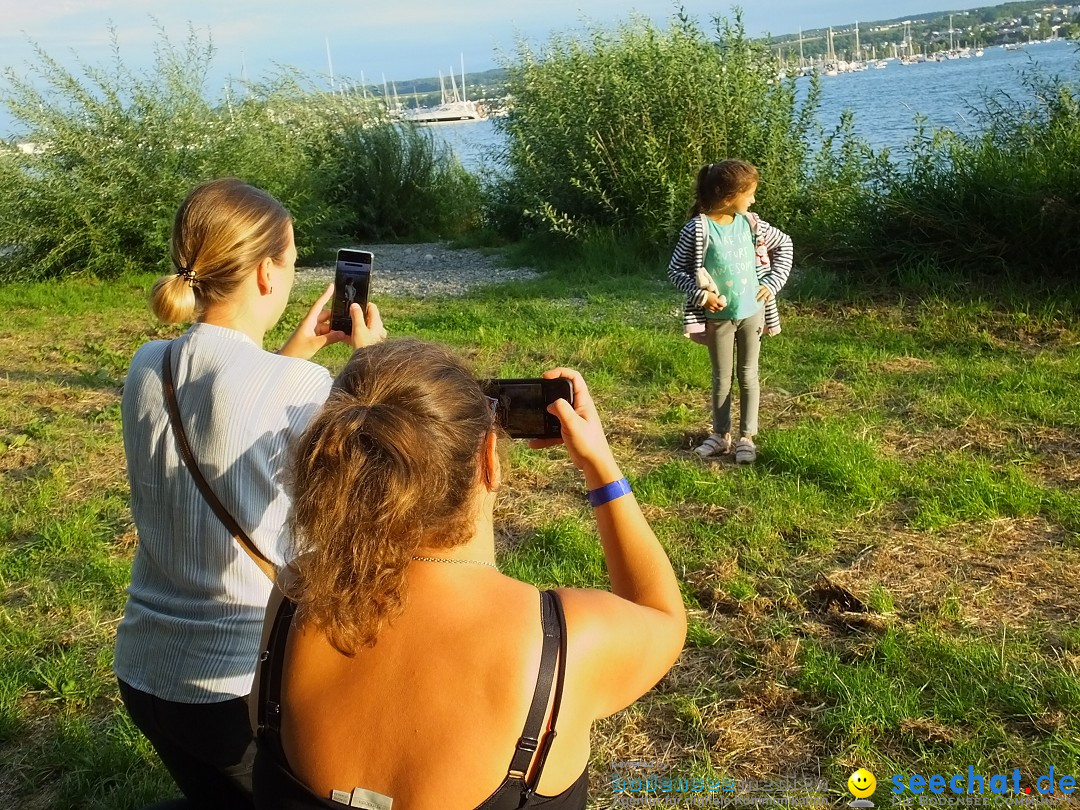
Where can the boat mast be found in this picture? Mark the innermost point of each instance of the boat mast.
(453, 83)
(463, 96)
(330, 64)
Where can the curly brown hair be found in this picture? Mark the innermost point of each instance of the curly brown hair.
(719, 182)
(390, 464)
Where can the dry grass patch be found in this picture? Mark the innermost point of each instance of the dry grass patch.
(903, 365)
(786, 410)
(1030, 338)
(1010, 572)
(706, 712)
(1058, 453)
(973, 436)
(102, 470)
(763, 733)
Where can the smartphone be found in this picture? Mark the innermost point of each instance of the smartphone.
(521, 405)
(352, 277)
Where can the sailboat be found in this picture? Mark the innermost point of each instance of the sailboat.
(908, 58)
(857, 61)
(451, 107)
(831, 68)
(952, 53)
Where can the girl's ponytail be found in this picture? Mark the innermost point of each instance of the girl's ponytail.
(221, 232)
(699, 187)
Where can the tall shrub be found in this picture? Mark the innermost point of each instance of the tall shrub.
(397, 180)
(115, 151)
(1004, 200)
(840, 196)
(607, 129)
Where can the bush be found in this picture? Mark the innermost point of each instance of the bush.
(843, 183)
(1003, 201)
(397, 181)
(117, 152)
(609, 129)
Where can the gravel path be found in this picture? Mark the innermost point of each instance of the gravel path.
(427, 269)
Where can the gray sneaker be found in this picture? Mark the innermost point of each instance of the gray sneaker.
(745, 451)
(715, 445)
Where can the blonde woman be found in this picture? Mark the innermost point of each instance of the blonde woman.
(186, 648)
(416, 675)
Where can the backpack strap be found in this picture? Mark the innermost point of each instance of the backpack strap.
(261, 560)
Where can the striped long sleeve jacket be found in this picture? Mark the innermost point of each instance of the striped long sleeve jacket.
(772, 248)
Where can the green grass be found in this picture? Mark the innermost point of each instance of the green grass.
(920, 452)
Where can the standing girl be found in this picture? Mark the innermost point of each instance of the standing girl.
(732, 305)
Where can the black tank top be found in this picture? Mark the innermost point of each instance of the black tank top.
(277, 788)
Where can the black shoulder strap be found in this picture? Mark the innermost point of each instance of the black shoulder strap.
(554, 642)
(271, 666)
(260, 559)
(549, 736)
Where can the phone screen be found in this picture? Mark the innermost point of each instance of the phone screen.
(352, 278)
(521, 406)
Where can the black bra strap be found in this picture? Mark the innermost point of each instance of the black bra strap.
(549, 735)
(551, 612)
(271, 666)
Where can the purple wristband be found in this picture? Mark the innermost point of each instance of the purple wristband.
(608, 492)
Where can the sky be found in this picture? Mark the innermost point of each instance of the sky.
(398, 39)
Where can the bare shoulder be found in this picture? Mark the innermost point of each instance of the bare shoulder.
(616, 650)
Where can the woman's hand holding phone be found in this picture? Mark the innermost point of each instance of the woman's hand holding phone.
(315, 332)
(367, 328)
(582, 432)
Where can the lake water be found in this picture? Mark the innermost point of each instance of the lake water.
(884, 101)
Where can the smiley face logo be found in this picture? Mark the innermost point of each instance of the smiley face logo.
(862, 784)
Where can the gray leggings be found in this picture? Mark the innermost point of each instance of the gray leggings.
(725, 339)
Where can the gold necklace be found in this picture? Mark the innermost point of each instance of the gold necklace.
(454, 560)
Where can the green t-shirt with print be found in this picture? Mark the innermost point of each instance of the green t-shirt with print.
(730, 260)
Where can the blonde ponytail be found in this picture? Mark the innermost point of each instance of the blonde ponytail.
(222, 230)
(173, 299)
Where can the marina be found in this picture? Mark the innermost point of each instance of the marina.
(884, 101)
(451, 107)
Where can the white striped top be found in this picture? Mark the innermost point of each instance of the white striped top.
(195, 606)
